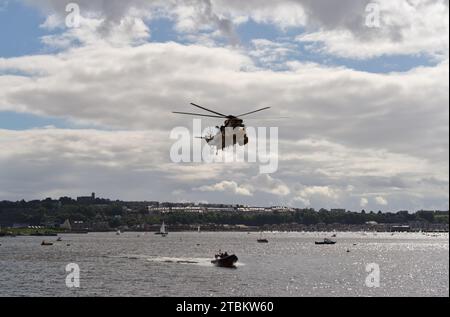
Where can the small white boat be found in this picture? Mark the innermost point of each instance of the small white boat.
(162, 230)
(262, 239)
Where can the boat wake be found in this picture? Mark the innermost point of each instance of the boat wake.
(171, 260)
(188, 261)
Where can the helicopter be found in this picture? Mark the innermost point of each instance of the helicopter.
(234, 124)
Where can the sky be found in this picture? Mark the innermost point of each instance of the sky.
(362, 87)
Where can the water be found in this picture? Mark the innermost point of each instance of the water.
(132, 264)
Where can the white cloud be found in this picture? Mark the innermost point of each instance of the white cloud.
(130, 87)
(338, 28)
(271, 54)
(120, 87)
(226, 186)
(283, 14)
(44, 162)
(53, 162)
(419, 27)
(364, 202)
(262, 183)
(267, 184)
(53, 21)
(317, 196)
(325, 191)
(303, 201)
(190, 16)
(381, 201)
(127, 31)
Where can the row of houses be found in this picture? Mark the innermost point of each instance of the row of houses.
(205, 209)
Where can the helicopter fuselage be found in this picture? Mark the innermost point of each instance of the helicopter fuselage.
(228, 136)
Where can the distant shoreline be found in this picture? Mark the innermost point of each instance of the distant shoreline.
(52, 233)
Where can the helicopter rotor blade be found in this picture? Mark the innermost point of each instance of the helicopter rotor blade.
(206, 109)
(197, 114)
(265, 119)
(246, 114)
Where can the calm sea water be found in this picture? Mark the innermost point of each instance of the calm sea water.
(290, 264)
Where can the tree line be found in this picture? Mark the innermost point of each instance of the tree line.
(116, 214)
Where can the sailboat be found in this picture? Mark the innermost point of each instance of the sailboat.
(162, 230)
